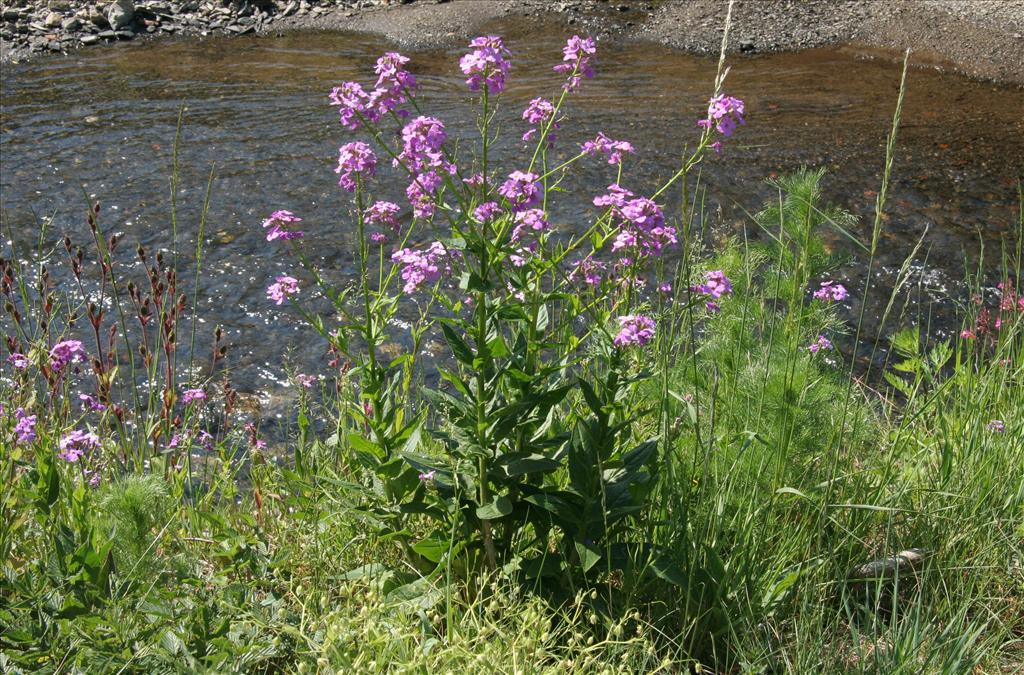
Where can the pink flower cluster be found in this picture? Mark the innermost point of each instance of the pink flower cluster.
(522, 190)
(282, 288)
(486, 212)
(190, 395)
(642, 228)
(716, 284)
(355, 158)
(25, 426)
(831, 292)
(394, 84)
(423, 156)
(276, 224)
(634, 329)
(724, 113)
(63, 353)
(539, 113)
(74, 445)
(487, 65)
(423, 267)
(589, 269)
(18, 361)
(384, 214)
(611, 149)
(821, 343)
(576, 57)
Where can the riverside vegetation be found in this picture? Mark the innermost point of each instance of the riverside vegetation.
(640, 453)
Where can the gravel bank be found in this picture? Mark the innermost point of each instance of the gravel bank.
(982, 38)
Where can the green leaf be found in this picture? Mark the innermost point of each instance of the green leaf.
(533, 463)
(589, 555)
(498, 508)
(459, 348)
(433, 547)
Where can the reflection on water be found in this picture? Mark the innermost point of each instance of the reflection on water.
(103, 121)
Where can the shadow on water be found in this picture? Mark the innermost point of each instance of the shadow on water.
(103, 121)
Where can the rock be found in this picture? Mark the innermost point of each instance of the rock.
(108, 35)
(89, 39)
(71, 24)
(120, 13)
(11, 15)
(747, 46)
(290, 8)
(53, 20)
(59, 5)
(97, 18)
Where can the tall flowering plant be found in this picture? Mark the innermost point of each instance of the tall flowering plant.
(546, 330)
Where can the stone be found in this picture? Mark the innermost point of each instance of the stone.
(53, 20)
(89, 39)
(71, 24)
(11, 15)
(59, 5)
(97, 18)
(120, 13)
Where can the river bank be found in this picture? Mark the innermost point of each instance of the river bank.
(980, 38)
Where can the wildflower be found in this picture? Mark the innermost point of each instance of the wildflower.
(519, 295)
(476, 180)
(355, 158)
(74, 445)
(522, 190)
(276, 224)
(576, 58)
(421, 193)
(89, 403)
(283, 287)
(25, 426)
(422, 267)
(589, 269)
(378, 237)
(66, 352)
(423, 146)
(612, 150)
(529, 221)
(205, 440)
(643, 227)
(394, 83)
(634, 330)
(92, 476)
(996, 426)
(724, 112)
(665, 287)
(712, 307)
(831, 292)
(383, 213)
(306, 381)
(716, 285)
(821, 343)
(616, 197)
(352, 101)
(488, 64)
(427, 476)
(487, 212)
(190, 395)
(18, 360)
(539, 113)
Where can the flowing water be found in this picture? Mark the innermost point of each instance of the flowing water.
(102, 123)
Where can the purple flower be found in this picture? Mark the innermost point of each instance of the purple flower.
(383, 213)
(643, 228)
(18, 360)
(25, 426)
(74, 445)
(487, 212)
(724, 113)
(66, 352)
(422, 267)
(190, 395)
(831, 292)
(205, 440)
(665, 287)
(576, 57)
(276, 224)
(423, 146)
(488, 64)
(89, 403)
(394, 83)
(355, 158)
(996, 426)
(611, 149)
(589, 269)
(353, 104)
(530, 221)
(538, 113)
(716, 285)
(283, 287)
(522, 190)
(421, 193)
(476, 180)
(427, 476)
(306, 381)
(821, 343)
(634, 329)
(615, 198)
